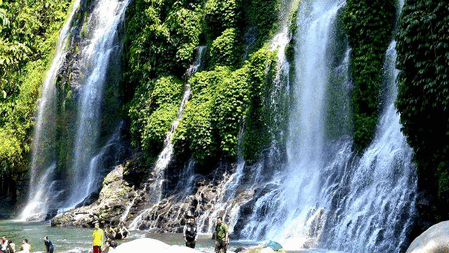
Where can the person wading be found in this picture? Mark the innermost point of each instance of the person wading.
(48, 245)
(98, 238)
(3, 244)
(190, 233)
(25, 247)
(221, 236)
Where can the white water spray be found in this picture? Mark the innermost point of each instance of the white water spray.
(42, 155)
(103, 23)
(295, 192)
(332, 199)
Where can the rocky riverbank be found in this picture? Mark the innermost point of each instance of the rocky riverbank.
(124, 199)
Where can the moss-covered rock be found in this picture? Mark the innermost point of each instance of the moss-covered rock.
(108, 209)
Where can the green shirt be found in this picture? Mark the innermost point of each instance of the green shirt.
(222, 231)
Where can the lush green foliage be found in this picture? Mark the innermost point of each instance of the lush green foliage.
(369, 25)
(160, 45)
(224, 49)
(161, 38)
(153, 111)
(423, 57)
(264, 16)
(261, 69)
(221, 100)
(221, 15)
(28, 35)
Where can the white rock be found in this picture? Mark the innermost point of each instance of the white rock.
(148, 245)
(433, 240)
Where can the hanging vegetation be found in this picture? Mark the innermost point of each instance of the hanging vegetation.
(423, 58)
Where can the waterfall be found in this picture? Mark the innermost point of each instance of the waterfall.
(236, 189)
(224, 203)
(377, 210)
(89, 161)
(328, 196)
(293, 197)
(104, 22)
(164, 158)
(43, 156)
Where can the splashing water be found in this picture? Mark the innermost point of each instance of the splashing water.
(43, 155)
(105, 19)
(103, 25)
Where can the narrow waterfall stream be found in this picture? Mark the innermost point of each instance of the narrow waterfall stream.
(165, 156)
(101, 43)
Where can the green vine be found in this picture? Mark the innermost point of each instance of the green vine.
(423, 58)
(369, 25)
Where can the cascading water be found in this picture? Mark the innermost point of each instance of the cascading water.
(89, 158)
(294, 195)
(164, 158)
(104, 21)
(43, 154)
(377, 210)
(329, 197)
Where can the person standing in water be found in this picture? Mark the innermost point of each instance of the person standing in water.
(221, 236)
(123, 231)
(3, 244)
(190, 233)
(25, 247)
(12, 246)
(48, 245)
(97, 238)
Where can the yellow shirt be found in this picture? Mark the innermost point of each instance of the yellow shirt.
(98, 237)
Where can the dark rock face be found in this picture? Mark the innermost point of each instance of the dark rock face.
(127, 195)
(8, 195)
(121, 200)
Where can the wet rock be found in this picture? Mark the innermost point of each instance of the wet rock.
(109, 207)
(433, 240)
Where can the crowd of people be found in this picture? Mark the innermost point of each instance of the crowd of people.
(103, 240)
(8, 246)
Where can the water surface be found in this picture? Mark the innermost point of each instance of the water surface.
(79, 240)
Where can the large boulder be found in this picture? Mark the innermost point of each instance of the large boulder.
(433, 240)
(109, 208)
(148, 245)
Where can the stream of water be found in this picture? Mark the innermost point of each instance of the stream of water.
(79, 240)
(87, 166)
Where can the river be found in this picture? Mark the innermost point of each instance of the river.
(79, 240)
